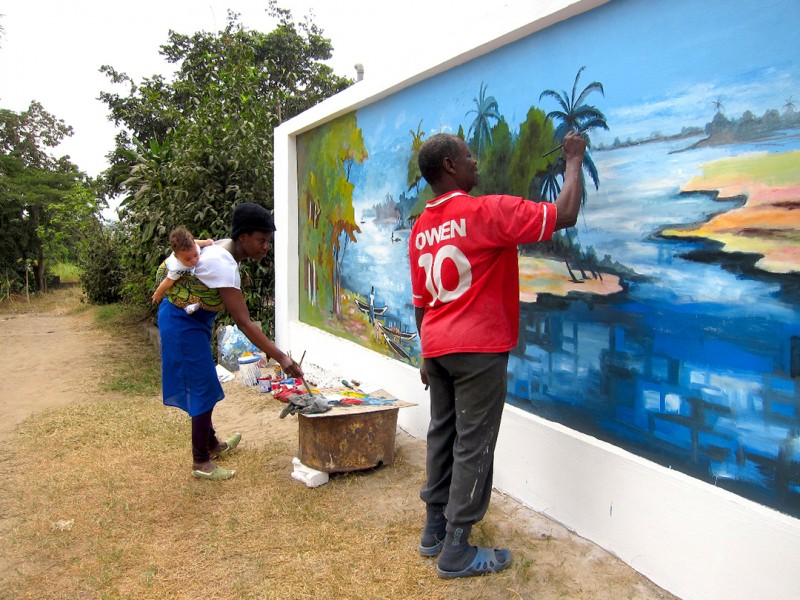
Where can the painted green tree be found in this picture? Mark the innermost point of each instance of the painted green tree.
(480, 131)
(325, 158)
(527, 163)
(414, 175)
(494, 172)
(576, 115)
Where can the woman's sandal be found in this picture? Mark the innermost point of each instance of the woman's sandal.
(230, 446)
(487, 560)
(218, 474)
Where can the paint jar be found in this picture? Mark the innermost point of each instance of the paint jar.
(265, 384)
(278, 373)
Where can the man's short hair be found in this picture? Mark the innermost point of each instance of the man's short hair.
(433, 152)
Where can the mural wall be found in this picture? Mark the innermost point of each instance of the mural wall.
(666, 322)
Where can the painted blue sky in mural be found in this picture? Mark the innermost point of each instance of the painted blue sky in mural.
(657, 72)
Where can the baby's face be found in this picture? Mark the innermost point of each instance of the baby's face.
(188, 257)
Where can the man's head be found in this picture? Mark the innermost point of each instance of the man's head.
(252, 228)
(445, 161)
(183, 246)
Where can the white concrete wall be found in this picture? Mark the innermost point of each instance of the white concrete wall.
(695, 540)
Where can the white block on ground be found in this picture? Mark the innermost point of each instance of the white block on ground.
(311, 477)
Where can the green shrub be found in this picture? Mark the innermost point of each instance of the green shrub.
(101, 280)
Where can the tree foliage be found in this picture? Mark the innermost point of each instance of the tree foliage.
(192, 148)
(480, 131)
(575, 114)
(46, 204)
(414, 174)
(100, 263)
(494, 172)
(527, 163)
(326, 206)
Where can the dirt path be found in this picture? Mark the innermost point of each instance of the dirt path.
(46, 361)
(49, 360)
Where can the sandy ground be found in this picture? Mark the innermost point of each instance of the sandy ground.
(49, 360)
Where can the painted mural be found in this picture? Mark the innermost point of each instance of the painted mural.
(666, 322)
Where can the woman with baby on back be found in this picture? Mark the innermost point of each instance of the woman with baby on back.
(188, 371)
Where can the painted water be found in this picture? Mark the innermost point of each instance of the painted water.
(693, 366)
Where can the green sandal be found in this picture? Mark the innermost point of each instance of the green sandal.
(230, 445)
(218, 474)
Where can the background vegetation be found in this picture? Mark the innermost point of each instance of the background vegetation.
(188, 149)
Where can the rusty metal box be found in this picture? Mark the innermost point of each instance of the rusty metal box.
(341, 441)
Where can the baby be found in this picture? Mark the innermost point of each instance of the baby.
(183, 260)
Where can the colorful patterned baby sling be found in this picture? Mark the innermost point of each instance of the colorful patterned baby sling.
(188, 290)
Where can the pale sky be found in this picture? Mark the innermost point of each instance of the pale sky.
(52, 49)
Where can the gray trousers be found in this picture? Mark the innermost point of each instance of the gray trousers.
(468, 392)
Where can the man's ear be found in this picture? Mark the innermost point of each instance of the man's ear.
(449, 164)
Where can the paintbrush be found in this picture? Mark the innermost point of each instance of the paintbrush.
(559, 147)
(308, 389)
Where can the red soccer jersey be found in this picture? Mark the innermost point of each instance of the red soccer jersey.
(464, 269)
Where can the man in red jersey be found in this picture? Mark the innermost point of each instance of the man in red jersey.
(465, 286)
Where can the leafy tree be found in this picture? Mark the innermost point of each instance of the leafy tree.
(193, 148)
(494, 168)
(325, 159)
(101, 265)
(480, 131)
(414, 175)
(534, 140)
(45, 202)
(576, 115)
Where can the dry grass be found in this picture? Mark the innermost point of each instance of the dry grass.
(107, 510)
(97, 502)
(66, 299)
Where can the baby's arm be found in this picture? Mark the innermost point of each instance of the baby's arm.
(203, 243)
(162, 288)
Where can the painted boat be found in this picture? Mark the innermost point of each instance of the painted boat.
(394, 331)
(395, 347)
(364, 307)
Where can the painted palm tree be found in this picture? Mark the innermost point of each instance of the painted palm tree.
(789, 106)
(576, 115)
(414, 175)
(485, 110)
(719, 107)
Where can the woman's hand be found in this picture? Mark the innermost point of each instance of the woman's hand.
(290, 367)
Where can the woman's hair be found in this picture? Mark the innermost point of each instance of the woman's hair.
(248, 217)
(180, 239)
(433, 152)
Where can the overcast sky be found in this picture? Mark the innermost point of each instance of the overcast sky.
(52, 49)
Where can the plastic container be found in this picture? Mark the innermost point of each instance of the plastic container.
(249, 371)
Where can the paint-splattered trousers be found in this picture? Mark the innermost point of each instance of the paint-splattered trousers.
(468, 393)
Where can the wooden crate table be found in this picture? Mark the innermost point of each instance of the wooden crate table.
(349, 438)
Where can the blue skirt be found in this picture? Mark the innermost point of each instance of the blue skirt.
(188, 372)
